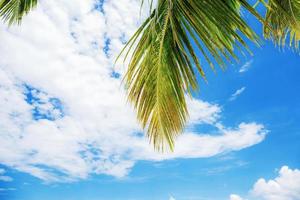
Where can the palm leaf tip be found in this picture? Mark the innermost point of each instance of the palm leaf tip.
(164, 63)
(282, 22)
(12, 11)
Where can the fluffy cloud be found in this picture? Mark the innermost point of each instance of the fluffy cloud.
(284, 187)
(63, 113)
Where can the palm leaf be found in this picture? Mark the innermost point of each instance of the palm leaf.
(283, 16)
(166, 49)
(13, 11)
(164, 62)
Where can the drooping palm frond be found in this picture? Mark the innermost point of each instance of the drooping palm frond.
(13, 11)
(283, 16)
(164, 61)
(166, 49)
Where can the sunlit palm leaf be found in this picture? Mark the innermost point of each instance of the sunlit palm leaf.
(283, 16)
(164, 61)
(166, 49)
(13, 11)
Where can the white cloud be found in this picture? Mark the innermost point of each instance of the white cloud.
(6, 178)
(224, 168)
(58, 53)
(237, 93)
(284, 187)
(235, 197)
(172, 198)
(7, 189)
(246, 66)
(3, 177)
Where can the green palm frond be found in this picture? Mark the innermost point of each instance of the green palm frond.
(164, 62)
(165, 52)
(13, 11)
(283, 16)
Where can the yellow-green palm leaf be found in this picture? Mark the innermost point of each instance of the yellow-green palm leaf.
(165, 52)
(164, 62)
(283, 16)
(13, 11)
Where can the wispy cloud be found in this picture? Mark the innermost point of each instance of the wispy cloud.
(246, 66)
(3, 177)
(7, 189)
(172, 198)
(237, 93)
(224, 168)
(6, 178)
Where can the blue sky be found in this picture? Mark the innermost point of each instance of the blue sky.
(75, 138)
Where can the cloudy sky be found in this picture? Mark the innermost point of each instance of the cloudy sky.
(68, 133)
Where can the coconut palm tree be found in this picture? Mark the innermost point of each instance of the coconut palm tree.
(164, 52)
